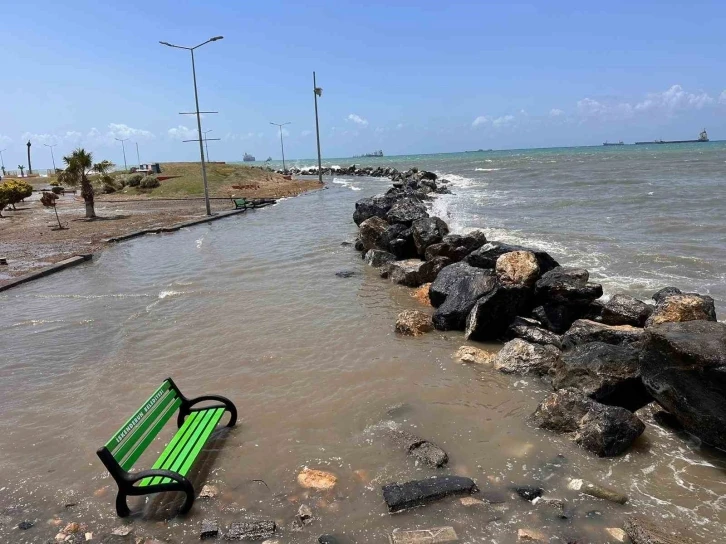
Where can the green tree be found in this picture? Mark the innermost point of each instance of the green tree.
(78, 165)
(16, 190)
(4, 198)
(21, 168)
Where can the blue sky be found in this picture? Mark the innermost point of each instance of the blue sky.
(405, 77)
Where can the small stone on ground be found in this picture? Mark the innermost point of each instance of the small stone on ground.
(316, 479)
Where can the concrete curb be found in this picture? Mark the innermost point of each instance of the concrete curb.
(57, 267)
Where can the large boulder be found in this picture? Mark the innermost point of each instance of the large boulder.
(558, 318)
(604, 430)
(680, 308)
(584, 331)
(413, 323)
(428, 231)
(486, 256)
(661, 294)
(517, 268)
(398, 239)
(683, 366)
(462, 296)
(520, 357)
(604, 372)
(377, 258)
(531, 331)
(569, 286)
(375, 206)
(371, 231)
(450, 276)
(625, 310)
(407, 210)
(608, 431)
(492, 314)
(456, 246)
(406, 272)
(430, 269)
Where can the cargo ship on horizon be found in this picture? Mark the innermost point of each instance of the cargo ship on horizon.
(702, 138)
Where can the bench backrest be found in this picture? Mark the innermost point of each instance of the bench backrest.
(240, 201)
(132, 439)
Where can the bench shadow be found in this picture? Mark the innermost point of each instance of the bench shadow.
(165, 506)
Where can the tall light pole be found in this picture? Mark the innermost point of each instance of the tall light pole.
(2, 161)
(282, 146)
(138, 157)
(199, 119)
(51, 154)
(123, 147)
(317, 91)
(206, 145)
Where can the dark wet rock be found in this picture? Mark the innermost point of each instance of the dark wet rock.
(568, 286)
(346, 243)
(643, 531)
(558, 318)
(358, 245)
(562, 411)
(305, 514)
(667, 420)
(486, 256)
(493, 496)
(398, 239)
(520, 357)
(660, 295)
(493, 312)
(255, 530)
(596, 490)
(406, 272)
(375, 206)
(419, 492)
(528, 492)
(608, 431)
(419, 448)
(681, 308)
(377, 258)
(430, 269)
(450, 278)
(345, 273)
(593, 311)
(428, 231)
(456, 246)
(552, 506)
(604, 372)
(25, 525)
(585, 332)
(428, 175)
(210, 529)
(625, 310)
(531, 331)
(463, 296)
(371, 232)
(407, 210)
(328, 539)
(683, 366)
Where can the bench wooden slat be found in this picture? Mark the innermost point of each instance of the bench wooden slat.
(202, 440)
(141, 446)
(134, 420)
(130, 441)
(207, 415)
(175, 447)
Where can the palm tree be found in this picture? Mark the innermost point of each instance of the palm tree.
(78, 165)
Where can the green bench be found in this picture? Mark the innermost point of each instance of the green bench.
(169, 472)
(242, 203)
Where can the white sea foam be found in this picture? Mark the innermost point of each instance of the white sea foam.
(346, 183)
(459, 181)
(171, 293)
(487, 169)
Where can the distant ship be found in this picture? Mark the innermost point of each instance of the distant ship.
(378, 153)
(248, 158)
(619, 143)
(702, 138)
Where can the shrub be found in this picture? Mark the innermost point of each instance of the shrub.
(57, 189)
(149, 182)
(16, 190)
(54, 183)
(134, 180)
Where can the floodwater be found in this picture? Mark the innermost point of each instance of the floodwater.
(250, 307)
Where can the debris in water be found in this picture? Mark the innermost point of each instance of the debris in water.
(419, 492)
(597, 490)
(435, 535)
(316, 479)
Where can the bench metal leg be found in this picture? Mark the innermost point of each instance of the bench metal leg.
(122, 508)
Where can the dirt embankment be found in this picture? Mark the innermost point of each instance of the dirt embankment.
(29, 238)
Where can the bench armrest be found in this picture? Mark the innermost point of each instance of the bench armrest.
(229, 406)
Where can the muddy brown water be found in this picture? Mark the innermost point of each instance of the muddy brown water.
(250, 307)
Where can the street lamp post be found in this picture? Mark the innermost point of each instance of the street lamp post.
(282, 146)
(51, 154)
(2, 161)
(138, 157)
(317, 91)
(206, 145)
(199, 120)
(123, 148)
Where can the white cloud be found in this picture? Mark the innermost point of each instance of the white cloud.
(121, 131)
(357, 119)
(399, 126)
(503, 121)
(5, 139)
(554, 112)
(306, 133)
(182, 133)
(39, 139)
(380, 130)
(481, 120)
(722, 98)
(674, 99)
